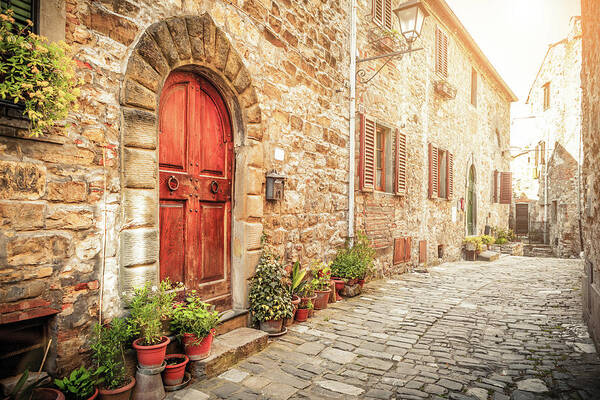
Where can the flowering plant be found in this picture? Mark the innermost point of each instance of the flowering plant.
(321, 275)
(37, 74)
(194, 317)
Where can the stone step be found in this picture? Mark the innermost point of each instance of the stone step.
(488, 256)
(227, 350)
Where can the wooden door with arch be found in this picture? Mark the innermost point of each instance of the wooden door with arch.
(195, 176)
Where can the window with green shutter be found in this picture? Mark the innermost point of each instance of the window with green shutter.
(23, 10)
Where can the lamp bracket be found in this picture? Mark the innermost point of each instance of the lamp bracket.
(390, 56)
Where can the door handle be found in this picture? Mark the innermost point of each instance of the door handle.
(214, 187)
(172, 183)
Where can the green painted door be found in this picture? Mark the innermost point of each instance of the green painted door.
(471, 206)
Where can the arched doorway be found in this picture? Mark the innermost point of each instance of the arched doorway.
(195, 186)
(472, 203)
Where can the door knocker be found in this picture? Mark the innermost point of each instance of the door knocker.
(172, 183)
(214, 187)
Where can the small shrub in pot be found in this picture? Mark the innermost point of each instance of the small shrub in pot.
(81, 383)
(194, 322)
(270, 298)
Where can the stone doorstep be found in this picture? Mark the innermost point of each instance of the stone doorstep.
(228, 350)
(488, 256)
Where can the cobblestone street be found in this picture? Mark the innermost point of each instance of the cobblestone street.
(511, 329)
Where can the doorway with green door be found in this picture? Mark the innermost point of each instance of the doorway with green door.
(472, 203)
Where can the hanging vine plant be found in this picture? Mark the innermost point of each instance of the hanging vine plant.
(36, 74)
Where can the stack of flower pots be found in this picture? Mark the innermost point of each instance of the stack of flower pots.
(151, 362)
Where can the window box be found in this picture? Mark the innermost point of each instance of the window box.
(444, 89)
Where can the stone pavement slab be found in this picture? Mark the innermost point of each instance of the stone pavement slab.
(504, 330)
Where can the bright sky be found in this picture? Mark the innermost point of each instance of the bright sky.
(515, 34)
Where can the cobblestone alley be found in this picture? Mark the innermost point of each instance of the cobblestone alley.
(511, 329)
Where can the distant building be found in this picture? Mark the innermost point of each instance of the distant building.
(554, 159)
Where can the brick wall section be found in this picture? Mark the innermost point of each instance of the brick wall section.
(590, 82)
(456, 125)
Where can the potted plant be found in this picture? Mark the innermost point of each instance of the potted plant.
(33, 390)
(303, 309)
(175, 369)
(81, 384)
(321, 275)
(146, 323)
(365, 254)
(270, 298)
(108, 351)
(297, 283)
(42, 81)
(195, 322)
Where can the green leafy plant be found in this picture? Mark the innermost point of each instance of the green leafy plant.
(487, 239)
(81, 383)
(37, 74)
(505, 235)
(321, 275)
(501, 240)
(306, 305)
(149, 307)
(353, 262)
(23, 390)
(270, 297)
(108, 351)
(194, 317)
(297, 282)
(476, 241)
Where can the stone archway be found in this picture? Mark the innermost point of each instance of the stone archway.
(185, 43)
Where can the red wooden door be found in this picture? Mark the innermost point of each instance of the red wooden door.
(195, 168)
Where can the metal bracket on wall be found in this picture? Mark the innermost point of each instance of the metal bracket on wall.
(361, 73)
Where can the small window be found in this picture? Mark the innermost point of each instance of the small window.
(546, 96)
(384, 172)
(441, 173)
(382, 13)
(441, 250)
(23, 10)
(441, 53)
(473, 87)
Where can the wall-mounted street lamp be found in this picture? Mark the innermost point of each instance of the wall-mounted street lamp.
(411, 16)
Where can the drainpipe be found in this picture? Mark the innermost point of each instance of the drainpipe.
(546, 205)
(352, 119)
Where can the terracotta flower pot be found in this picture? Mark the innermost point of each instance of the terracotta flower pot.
(197, 351)
(173, 373)
(153, 355)
(304, 300)
(339, 286)
(322, 299)
(302, 314)
(92, 397)
(122, 393)
(272, 326)
(361, 282)
(47, 394)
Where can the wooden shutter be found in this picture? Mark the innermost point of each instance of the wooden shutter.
(505, 187)
(407, 245)
(378, 11)
(387, 14)
(433, 172)
(23, 10)
(450, 176)
(400, 184)
(441, 52)
(399, 250)
(495, 189)
(422, 251)
(367, 154)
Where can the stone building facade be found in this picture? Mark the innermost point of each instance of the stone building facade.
(555, 101)
(82, 208)
(590, 83)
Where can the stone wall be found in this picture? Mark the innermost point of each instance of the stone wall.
(559, 127)
(590, 83)
(475, 135)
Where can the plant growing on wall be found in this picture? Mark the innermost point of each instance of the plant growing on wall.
(36, 74)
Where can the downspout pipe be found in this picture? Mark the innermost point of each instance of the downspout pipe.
(352, 121)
